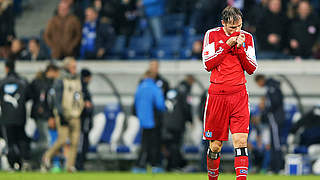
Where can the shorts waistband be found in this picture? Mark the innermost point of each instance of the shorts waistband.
(224, 89)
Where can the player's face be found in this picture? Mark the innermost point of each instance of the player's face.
(230, 28)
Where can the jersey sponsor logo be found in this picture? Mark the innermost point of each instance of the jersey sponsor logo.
(206, 53)
(243, 171)
(211, 172)
(220, 41)
(208, 134)
(10, 88)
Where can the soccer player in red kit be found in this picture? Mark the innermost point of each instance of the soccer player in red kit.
(227, 52)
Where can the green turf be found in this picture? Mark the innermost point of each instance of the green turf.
(128, 176)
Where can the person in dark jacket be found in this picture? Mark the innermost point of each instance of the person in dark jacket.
(304, 31)
(179, 112)
(273, 114)
(14, 94)
(148, 99)
(98, 36)
(86, 119)
(7, 24)
(35, 52)
(308, 126)
(41, 109)
(272, 32)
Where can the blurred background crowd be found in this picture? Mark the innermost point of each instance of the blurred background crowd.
(140, 29)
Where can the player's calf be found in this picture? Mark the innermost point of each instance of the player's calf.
(213, 159)
(241, 163)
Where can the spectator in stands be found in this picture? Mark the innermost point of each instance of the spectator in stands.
(77, 7)
(186, 7)
(17, 50)
(41, 110)
(273, 114)
(292, 9)
(7, 32)
(271, 32)
(97, 5)
(35, 52)
(63, 33)
(110, 10)
(207, 14)
(14, 93)
(149, 98)
(130, 16)
(97, 36)
(179, 113)
(86, 119)
(196, 50)
(303, 31)
(254, 15)
(68, 106)
(153, 11)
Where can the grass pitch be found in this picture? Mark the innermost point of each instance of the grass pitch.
(129, 176)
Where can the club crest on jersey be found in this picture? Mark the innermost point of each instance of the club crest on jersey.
(208, 134)
(243, 171)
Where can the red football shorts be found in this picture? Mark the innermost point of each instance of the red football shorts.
(223, 111)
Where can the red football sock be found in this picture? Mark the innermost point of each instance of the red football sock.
(241, 164)
(213, 168)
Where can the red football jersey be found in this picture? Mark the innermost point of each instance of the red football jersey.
(227, 64)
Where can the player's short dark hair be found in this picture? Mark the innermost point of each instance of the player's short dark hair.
(85, 73)
(259, 77)
(231, 14)
(52, 67)
(10, 64)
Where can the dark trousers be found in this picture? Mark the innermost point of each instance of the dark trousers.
(150, 148)
(18, 143)
(84, 148)
(277, 160)
(173, 146)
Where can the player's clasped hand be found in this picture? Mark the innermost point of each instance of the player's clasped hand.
(240, 40)
(232, 41)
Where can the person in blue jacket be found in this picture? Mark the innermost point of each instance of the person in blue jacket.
(153, 11)
(149, 99)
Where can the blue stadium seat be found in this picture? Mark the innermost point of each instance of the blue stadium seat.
(139, 47)
(185, 53)
(191, 39)
(118, 48)
(168, 47)
(173, 23)
(111, 111)
(191, 149)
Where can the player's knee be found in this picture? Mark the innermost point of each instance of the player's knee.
(215, 146)
(240, 141)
